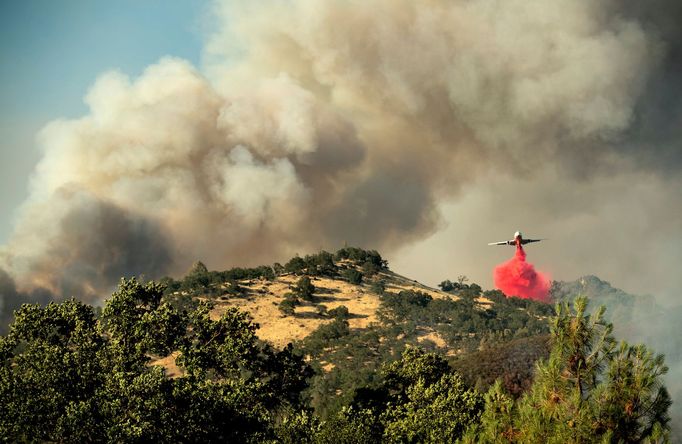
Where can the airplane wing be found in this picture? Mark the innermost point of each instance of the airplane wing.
(528, 241)
(500, 243)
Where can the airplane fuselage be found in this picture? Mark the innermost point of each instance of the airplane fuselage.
(517, 241)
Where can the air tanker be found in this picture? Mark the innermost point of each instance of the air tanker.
(517, 241)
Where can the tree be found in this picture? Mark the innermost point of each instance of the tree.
(68, 376)
(461, 279)
(198, 268)
(340, 312)
(433, 413)
(304, 289)
(353, 276)
(470, 292)
(591, 389)
(448, 285)
(320, 264)
(197, 275)
(350, 426)
(379, 286)
(420, 400)
(50, 375)
(278, 269)
(295, 265)
(288, 304)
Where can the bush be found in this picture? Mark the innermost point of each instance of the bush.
(329, 332)
(379, 287)
(340, 312)
(304, 289)
(370, 268)
(360, 257)
(322, 310)
(320, 264)
(448, 286)
(239, 273)
(199, 280)
(295, 265)
(353, 276)
(288, 305)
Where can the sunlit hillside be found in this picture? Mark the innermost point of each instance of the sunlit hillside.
(262, 297)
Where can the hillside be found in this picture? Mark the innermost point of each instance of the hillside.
(346, 351)
(261, 299)
(621, 306)
(260, 292)
(360, 314)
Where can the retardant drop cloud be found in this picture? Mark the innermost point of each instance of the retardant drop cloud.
(519, 278)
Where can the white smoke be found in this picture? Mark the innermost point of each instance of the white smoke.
(214, 175)
(319, 123)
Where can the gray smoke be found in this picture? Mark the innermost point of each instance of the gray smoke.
(323, 123)
(11, 299)
(374, 123)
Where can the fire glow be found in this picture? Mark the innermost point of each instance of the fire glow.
(516, 277)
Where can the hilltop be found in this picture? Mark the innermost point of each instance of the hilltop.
(347, 351)
(636, 318)
(262, 299)
(357, 307)
(359, 314)
(356, 279)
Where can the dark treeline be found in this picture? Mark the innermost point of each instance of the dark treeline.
(344, 263)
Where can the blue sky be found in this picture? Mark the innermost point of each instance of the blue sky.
(52, 51)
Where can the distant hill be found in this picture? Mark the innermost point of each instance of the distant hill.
(636, 318)
(621, 306)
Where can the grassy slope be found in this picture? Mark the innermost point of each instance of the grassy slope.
(262, 298)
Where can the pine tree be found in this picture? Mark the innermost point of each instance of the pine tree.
(590, 390)
(496, 425)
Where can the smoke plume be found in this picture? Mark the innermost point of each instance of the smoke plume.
(314, 124)
(516, 277)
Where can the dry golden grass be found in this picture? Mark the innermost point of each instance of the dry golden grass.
(172, 370)
(434, 337)
(398, 283)
(263, 297)
(484, 302)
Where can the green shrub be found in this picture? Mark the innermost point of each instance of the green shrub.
(340, 312)
(288, 304)
(353, 276)
(378, 287)
(304, 289)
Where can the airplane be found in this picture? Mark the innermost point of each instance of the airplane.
(517, 241)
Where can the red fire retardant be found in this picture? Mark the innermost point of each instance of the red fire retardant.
(516, 277)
